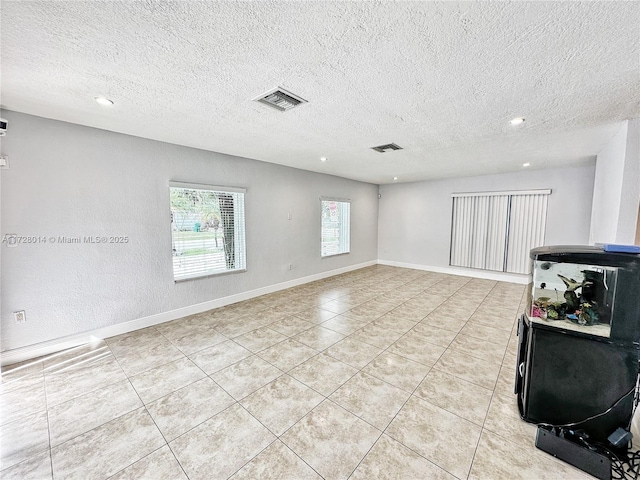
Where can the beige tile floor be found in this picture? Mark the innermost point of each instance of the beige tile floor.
(376, 374)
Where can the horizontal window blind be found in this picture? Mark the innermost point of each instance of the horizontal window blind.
(335, 227)
(207, 230)
(496, 230)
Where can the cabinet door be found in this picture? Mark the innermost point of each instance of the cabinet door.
(569, 379)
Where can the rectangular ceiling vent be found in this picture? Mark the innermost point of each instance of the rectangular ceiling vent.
(280, 99)
(386, 148)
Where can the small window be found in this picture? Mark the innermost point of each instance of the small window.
(336, 229)
(207, 230)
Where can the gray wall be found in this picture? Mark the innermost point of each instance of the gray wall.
(69, 180)
(414, 221)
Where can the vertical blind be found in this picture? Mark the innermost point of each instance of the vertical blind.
(335, 227)
(207, 230)
(496, 230)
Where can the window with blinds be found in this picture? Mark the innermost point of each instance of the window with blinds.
(207, 230)
(496, 230)
(336, 227)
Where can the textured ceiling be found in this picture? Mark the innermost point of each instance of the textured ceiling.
(442, 80)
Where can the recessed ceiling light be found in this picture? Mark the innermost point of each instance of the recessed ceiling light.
(525, 165)
(395, 178)
(103, 101)
(323, 159)
(517, 121)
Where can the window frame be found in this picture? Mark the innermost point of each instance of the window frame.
(240, 230)
(347, 202)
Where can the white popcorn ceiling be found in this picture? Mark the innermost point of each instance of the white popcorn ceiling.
(442, 80)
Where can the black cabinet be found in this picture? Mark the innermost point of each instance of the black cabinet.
(567, 378)
(578, 347)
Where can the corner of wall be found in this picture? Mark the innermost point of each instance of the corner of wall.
(607, 186)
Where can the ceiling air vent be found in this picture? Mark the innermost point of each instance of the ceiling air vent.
(280, 99)
(387, 147)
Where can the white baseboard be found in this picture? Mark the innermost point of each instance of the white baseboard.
(465, 272)
(45, 348)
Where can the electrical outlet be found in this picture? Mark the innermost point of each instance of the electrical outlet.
(4, 161)
(289, 216)
(20, 316)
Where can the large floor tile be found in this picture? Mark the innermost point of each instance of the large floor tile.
(22, 374)
(246, 376)
(487, 333)
(281, 403)
(503, 418)
(162, 380)
(191, 337)
(316, 315)
(395, 322)
(431, 334)
(445, 439)
(23, 439)
(445, 321)
(107, 449)
(319, 338)
(291, 326)
(397, 370)
(220, 356)
(219, 447)
(416, 348)
(235, 327)
(276, 461)
(86, 412)
(496, 457)
(141, 338)
(390, 460)
(352, 352)
(260, 339)
(457, 364)
(23, 401)
(371, 399)
(76, 356)
(506, 379)
(64, 385)
(367, 312)
(458, 396)
(37, 467)
(337, 306)
(323, 373)
(484, 350)
(288, 354)
(185, 408)
(158, 465)
(411, 310)
(331, 440)
(344, 325)
(142, 350)
(375, 335)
